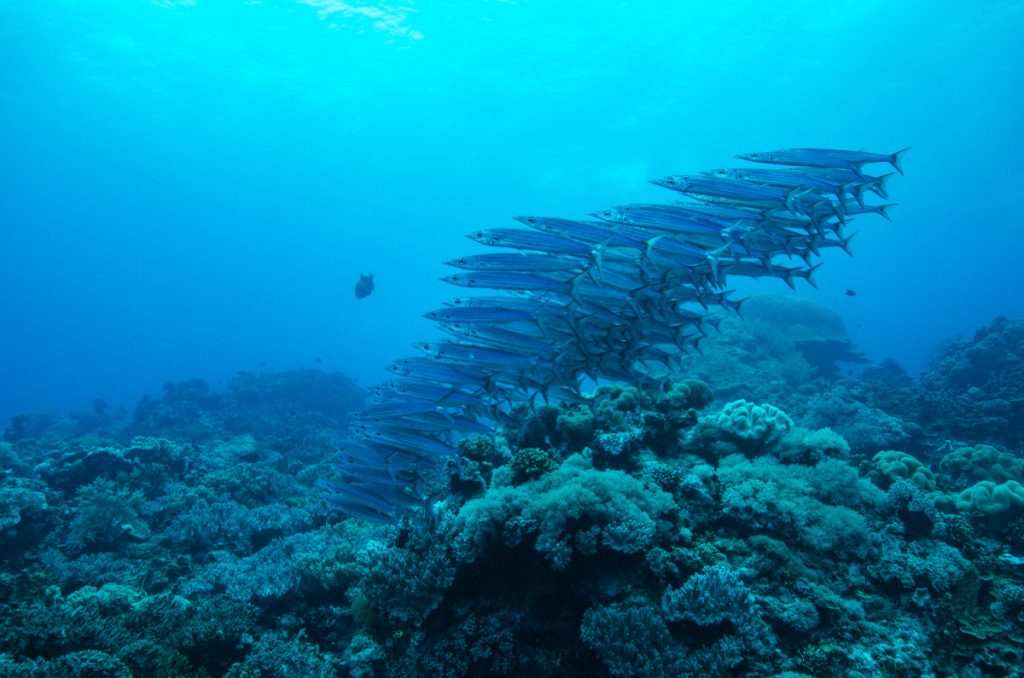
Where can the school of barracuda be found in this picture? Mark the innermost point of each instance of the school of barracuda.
(620, 297)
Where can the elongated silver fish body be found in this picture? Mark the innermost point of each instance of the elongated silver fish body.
(625, 296)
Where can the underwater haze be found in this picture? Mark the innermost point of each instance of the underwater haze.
(511, 339)
(193, 188)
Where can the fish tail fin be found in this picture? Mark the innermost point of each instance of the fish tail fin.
(795, 197)
(712, 259)
(574, 280)
(812, 247)
(746, 246)
(649, 246)
(845, 243)
(879, 185)
(542, 390)
(792, 195)
(854, 188)
(787, 247)
(884, 210)
(895, 159)
(738, 306)
(809, 274)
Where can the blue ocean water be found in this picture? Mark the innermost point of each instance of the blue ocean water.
(192, 188)
(607, 472)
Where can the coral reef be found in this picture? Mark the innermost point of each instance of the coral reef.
(974, 388)
(643, 531)
(893, 466)
(781, 347)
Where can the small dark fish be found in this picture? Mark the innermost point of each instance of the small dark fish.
(318, 360)
(365, 286)
(850, 293)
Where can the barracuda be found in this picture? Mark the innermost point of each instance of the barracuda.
(622, 298)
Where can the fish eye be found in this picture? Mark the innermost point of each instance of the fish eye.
(479, 234)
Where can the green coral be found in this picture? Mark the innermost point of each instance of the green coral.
(575, 425)
(688, 394)
(12, 461)
(325, 562)
(240, 447)
(616, 407)
(279, 653)
(532, 462)
(751, 423)
(992, 499)
(18, 497)
(480, 449)
(106, 515)
(806, 446)
(739, 427)
(894, 465)
(574, 508)
(981, 462)
(821, 506)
